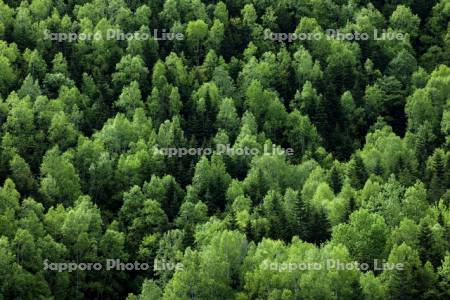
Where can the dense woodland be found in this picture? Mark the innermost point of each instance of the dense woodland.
(369, 123)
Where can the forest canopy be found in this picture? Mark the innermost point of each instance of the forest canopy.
(333, 121)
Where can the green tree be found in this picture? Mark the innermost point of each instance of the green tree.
(402, 283)
(130, 99)
(129, 69)
(367, 245)
(211, 181)
(437, 169)
(404, 20)
(197, 32)
(357, 172)
(59, 180)
(227, 117)
(22, 175)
